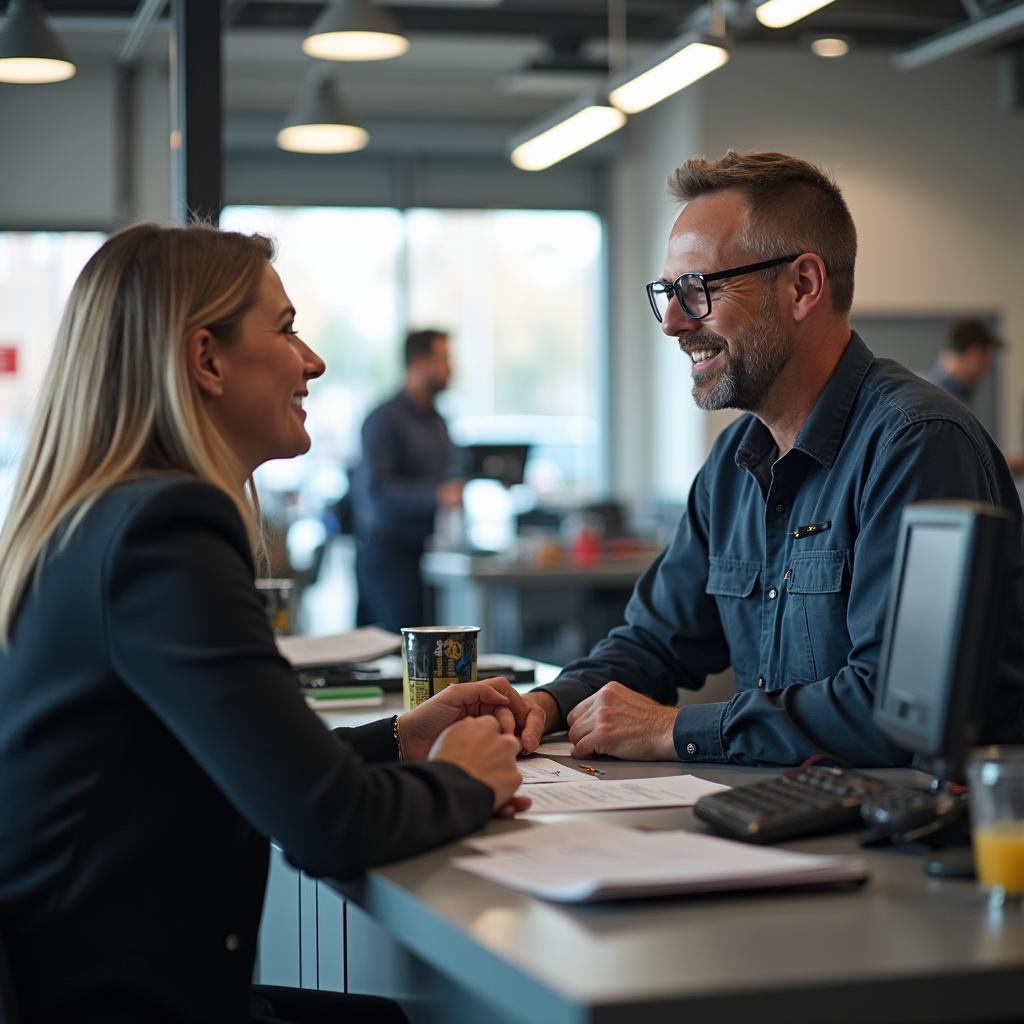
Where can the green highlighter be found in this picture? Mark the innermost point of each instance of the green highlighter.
(344, 696)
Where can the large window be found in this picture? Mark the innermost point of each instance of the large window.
(37, 270)
(520, 292)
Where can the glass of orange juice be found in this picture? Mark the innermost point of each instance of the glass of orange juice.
(995, 778)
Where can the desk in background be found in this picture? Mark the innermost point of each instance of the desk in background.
(453, 947)
(552, 613)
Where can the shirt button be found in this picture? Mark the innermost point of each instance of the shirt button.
(780, 508)
(760, 682)
(231, 943)
(691, 749)
(773, 593)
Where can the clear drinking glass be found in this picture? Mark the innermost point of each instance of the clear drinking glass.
(995, 777)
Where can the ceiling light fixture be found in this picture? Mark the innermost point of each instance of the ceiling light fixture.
(674, 68)
(319, 122)
(567, 132)
(830, 46)
(780, 13)
(354, 30)
(30, 53)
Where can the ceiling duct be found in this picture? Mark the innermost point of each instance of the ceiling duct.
(978, 34)
(564, 70)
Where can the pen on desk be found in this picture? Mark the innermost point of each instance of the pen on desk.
(591, 770)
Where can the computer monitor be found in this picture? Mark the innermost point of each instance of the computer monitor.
(943, 631)
(504, 462)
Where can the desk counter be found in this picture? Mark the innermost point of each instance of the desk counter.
(903, 948)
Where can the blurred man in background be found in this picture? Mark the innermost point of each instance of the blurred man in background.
(405, 475)
(966, 360)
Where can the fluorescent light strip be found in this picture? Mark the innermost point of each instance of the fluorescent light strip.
(576, 132)
(683, 68)
(780, 13)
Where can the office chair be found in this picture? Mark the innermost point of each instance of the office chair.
(8, 1004)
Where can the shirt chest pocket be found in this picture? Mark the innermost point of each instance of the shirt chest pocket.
(732, 582)
(815, 632)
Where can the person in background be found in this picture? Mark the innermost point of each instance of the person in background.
(152, 739)
(406, 474)
(781, 564)
(966, 360)
(964, 363)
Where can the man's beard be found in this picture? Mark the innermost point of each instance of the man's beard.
(747, 376)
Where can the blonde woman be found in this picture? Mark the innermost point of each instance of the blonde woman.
(151, 738)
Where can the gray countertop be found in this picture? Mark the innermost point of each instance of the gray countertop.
(903, 947)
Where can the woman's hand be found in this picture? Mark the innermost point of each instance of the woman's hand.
(482, 750)
(495, 698)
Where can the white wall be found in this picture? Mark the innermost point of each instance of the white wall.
(653, 419)
(57, 150)
(932, 172)
(60, 164)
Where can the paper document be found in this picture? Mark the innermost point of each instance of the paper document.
(556, 748)
(620, 794)
(583, 861)
(362, 644)
(543, 769)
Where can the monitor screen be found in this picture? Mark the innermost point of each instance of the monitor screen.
(943, 630)
(927, 605)
(504, 462)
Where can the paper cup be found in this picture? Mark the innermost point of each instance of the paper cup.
(434, 657)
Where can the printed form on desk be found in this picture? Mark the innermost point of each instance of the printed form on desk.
(536, 770)
(619, 794)
(575, 862)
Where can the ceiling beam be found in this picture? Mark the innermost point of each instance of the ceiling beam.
(147, 13)
(974, 35)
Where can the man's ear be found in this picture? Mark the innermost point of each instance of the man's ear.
(810, 285)
(202, 354)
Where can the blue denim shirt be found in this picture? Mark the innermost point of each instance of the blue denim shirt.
(781, 568)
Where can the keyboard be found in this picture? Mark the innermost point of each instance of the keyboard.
(800, 802)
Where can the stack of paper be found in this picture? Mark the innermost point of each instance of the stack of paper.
(362, 644)
(582, 861)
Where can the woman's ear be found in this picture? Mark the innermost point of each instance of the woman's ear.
(203, 358)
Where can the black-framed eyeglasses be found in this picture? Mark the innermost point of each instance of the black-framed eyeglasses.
(691, 290)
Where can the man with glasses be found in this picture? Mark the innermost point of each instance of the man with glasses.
(781, 564)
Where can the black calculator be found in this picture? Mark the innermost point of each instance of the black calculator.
(800, 802)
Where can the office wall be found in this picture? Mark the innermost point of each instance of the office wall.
(58, 152)
(931, 170)
(91, 152)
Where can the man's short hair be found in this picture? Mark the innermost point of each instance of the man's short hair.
(794, 207)
(966, 334)
(421, 343)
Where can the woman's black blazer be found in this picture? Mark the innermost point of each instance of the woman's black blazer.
(152, 740)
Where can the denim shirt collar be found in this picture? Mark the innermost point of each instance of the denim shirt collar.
(822, 434)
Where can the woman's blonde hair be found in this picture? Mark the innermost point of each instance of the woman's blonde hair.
(118, 401)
